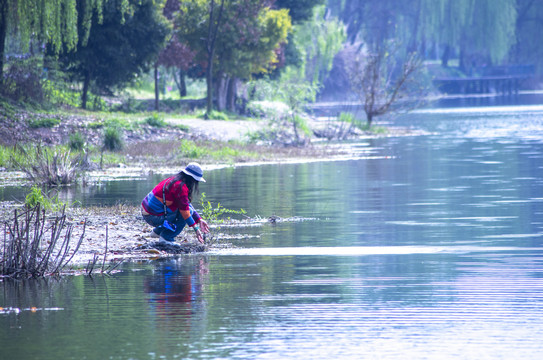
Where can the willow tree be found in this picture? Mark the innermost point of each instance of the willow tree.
(481, 30)
(318, 40)
(529, 49)
(54, 22)
(478, 30)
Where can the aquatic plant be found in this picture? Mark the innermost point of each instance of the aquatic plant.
(213, 213)
(34, 245)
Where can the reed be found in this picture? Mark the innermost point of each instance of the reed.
(52, 168)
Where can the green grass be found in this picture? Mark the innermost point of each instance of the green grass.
(10, 155)
(46, 122)
(224, 153)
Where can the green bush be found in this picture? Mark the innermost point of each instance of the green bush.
(118, 123)
(35, 197)
(155, 120)
(22, 80)
(48, 166)
(43, 122)
(77, 141)
(189, 149)
(114, 122)
(113, 138)
(59, 93)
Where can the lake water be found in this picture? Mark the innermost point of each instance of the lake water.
(427, 247)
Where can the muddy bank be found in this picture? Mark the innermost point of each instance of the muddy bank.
(118, 233)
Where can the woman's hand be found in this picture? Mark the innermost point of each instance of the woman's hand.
(200, 237)
(204, 226)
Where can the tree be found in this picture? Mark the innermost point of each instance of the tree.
(238, 41)
(318, 39)
(251, 45)
(119, 48)
(295, 92)
(47, 21)
(529, 23)
(481, 31)
(199, 23)
(175, 55)
(383, 83)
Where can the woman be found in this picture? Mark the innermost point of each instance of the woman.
(168, 206)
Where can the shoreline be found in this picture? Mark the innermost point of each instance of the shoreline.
(122, 226)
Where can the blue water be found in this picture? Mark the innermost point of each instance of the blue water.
(428, 248)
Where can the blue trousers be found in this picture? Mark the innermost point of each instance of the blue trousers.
(173, 217)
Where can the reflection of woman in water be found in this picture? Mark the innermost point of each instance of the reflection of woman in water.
(175, 295)
(168, 206)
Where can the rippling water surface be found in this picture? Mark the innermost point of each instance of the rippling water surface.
(430, 248)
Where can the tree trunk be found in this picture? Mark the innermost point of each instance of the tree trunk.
(209, 83)
(182, 83)
(157, 94)
(295, 128)
(211, 38)
(221, 87)
(3, 34)
(84, 95)
(445, 56)
(231, 94)
(369, 118)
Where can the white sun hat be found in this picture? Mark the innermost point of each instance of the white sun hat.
(195, 170)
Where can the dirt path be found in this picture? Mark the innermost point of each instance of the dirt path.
(223, 130)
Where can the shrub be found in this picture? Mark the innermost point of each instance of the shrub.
(35, 197)
(23, 255)
(59, 93)
(118, 123)
(155, 120)
(52, 169)
(113, 138)
(22, 80)
(76, 142)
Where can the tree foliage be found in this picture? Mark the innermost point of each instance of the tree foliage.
(529, 22)
(299, 10)
(318, 40)
(481, 30)
(54, 22)
(123, 43)
(248, 34)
